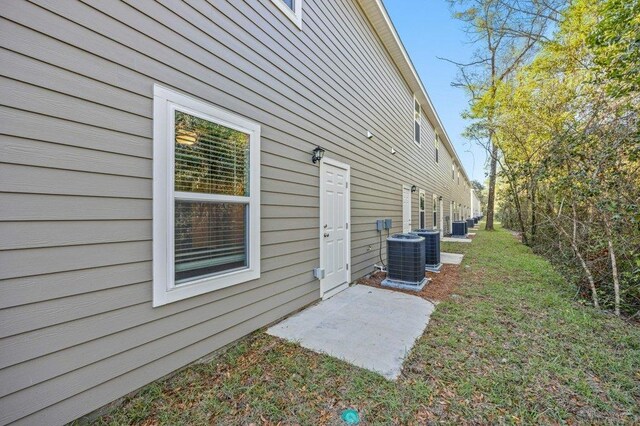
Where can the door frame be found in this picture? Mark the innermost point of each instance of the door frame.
(407, 187)
(441, 203)
(346, 167)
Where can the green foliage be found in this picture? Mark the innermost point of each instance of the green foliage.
(568, 129)
(615, 43)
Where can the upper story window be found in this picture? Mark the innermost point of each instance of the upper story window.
(453, 172)
(206, 198)
(417, 114)
(437, 143)
(291, 8)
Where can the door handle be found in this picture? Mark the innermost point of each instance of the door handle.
(326, 234)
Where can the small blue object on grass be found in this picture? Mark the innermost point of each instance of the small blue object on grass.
(350, 417)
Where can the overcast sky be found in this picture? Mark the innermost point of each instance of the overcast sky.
(428, 31)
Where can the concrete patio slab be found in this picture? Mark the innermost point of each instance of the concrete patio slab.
(368, 327)
(455, 240)
(451, 258)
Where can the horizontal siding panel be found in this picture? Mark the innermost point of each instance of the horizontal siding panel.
(22, 235)
(41, 180)
(30, 125)
(18, 95)
(290, 235)
(33, 289)
(37, 73)
(27, 207)
(31, 152)
(47, 313)
(279, 224)
(22, 263)
(283, 250)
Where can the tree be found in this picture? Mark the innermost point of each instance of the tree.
(568, 126)
(506, 33)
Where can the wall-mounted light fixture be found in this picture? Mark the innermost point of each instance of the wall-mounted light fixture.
(393, 151)
(413, 188)
(318, 153)
(440, 198)
(369, 135)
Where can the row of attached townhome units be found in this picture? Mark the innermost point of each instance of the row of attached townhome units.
(158, 194)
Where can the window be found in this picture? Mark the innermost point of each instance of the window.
(435, 211)
(437, 143)
(453, 172)
(292, 9)
(206, 198)
(421, 209)
(417, 114)
(458, 175)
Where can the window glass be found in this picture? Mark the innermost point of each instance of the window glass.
(210, 238)
(210, 158)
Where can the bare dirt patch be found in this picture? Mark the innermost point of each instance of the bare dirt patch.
(440, 287)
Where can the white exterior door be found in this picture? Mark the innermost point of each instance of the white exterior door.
(406, 208)
(335, 240)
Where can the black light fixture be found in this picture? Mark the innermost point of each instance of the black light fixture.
(440, 198)
(413, 188)
(318, 153)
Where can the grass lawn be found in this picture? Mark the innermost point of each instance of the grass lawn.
(512, 346)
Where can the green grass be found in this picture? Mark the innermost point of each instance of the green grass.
(511, 347)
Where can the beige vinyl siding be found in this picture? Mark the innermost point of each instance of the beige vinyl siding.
(77, 329)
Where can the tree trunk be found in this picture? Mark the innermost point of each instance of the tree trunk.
(534, 219)
(492, 187)
(614, 267)
(585, 267)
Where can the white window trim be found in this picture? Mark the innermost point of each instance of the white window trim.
(165, 102)
(434, 211)
(422, 195)
(418, 120)
(295, 15)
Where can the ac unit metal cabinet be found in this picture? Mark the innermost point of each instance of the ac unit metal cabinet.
(459, 229)
(405, 262)
(431, 248)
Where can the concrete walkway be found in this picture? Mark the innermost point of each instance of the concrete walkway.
(455, 240)
(365, 326)
(451, 258)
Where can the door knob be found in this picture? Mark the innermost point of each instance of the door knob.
(326, 234)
